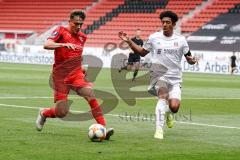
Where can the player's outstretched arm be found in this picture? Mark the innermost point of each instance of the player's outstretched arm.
(137, 49)
(190, 59)
(50, 44)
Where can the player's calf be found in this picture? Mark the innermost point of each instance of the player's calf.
(61, 109)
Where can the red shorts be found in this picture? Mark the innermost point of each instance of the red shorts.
(63, 83)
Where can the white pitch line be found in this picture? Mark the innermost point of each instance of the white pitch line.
(36, 97)
(209, 125)
(18, 106)
(115, 115)
(77, 97)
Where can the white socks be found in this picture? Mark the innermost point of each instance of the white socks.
(161, 108)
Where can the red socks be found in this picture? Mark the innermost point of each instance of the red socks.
(97, 112)
(49, 112)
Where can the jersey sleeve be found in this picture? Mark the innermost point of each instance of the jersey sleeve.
(56, 34)
(185, 48)
(148, 46)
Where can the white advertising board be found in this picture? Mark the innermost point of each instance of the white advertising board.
(209, 61)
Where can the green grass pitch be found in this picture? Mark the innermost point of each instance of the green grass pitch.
(207, 125)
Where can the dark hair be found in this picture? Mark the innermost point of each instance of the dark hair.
(79, 13)
(170, 14)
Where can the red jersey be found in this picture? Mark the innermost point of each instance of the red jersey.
(63, 54)
(67, 68)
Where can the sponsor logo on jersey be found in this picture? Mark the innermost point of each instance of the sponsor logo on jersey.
(170, 51)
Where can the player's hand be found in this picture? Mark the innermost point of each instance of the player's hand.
(123, 36)
(191, 59)
(70, 46)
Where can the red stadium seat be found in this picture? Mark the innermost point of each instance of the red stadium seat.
(207, 14)
(36, 15)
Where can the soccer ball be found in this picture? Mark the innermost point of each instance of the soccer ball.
(97, 132)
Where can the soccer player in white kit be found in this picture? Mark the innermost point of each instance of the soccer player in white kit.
(166, 49)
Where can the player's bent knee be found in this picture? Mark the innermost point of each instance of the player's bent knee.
(86, 92)
(174, 106)
(174, 109)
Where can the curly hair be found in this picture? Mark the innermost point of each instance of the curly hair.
(170, 14)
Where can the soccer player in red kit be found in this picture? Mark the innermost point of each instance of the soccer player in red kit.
(67, 73)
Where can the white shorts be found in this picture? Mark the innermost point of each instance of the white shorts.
(174, 91)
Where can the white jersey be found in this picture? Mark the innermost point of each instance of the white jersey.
(165, 55)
